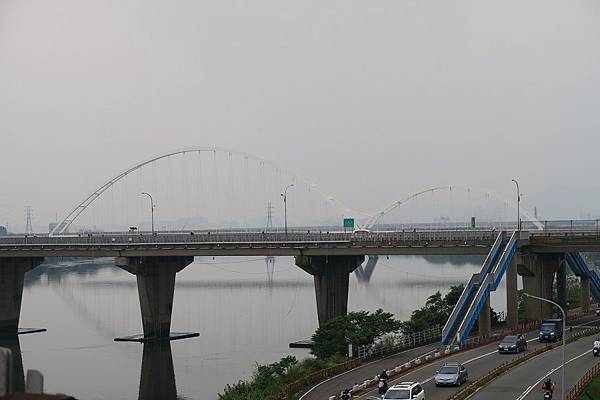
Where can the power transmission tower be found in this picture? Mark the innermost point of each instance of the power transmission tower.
(270, 260)
(269, 215)
(28, 216)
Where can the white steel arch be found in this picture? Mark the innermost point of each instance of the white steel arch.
(372, 221)
(64, 225)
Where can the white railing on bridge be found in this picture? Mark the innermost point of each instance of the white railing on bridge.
(395, 342)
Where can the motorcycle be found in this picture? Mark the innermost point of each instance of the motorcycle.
(383, 386)
(596, 351)
(548, 395)
(345, 395)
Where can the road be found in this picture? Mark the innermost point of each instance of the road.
(478, 362)
(524, 382)
(368, 370)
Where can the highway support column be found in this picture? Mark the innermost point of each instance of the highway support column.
(512, 296)
(331, 276)
(485, 320)
(12, 278)
(542, 267)
(585, 294)
(561, 282)
(156, 288)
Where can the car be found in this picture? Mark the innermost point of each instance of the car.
(405, 390)
(598, 312)
(361, 231)
(513, 344)
(451, 374)
(551, 330)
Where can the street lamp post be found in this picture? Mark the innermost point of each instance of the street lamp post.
(284, 195)
(564, 318)
(151, 209)
(518, 205)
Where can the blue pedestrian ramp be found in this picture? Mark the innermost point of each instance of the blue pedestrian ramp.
(580, 268)
(476, 293)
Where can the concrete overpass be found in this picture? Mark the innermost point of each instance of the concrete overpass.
(329, 256)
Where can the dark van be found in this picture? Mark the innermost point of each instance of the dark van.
(551, 330)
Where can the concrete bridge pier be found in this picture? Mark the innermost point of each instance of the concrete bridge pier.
(331, 275)
(538, 278)
(12, 277)
(485, 320)
(585, 294)
(156, 288)
(561, 281)
(512, 295)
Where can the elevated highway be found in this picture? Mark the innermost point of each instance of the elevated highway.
(203, 243)
(328, 256)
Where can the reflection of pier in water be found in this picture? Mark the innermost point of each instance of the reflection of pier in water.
(157, 377)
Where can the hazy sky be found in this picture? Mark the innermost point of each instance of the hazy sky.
(372, 99)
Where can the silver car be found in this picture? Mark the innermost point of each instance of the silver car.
(451, 374)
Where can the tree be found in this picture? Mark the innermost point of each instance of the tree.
(359, 328)
(436, 311)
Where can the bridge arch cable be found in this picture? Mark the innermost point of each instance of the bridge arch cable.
(378, 215)
(63, 226)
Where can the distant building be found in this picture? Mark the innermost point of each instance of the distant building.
(3, 231)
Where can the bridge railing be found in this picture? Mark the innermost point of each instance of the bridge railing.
(395, 342)
(375, 238)
(464, 304)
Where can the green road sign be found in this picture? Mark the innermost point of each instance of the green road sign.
(349, 223)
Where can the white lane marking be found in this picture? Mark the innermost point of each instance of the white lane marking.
(466, 362)
(530, 388)
(353, 370)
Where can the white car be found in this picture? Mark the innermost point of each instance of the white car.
(405, 390)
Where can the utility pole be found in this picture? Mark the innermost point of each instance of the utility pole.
(284, 195)
(270, 260)
(151, 209)
(28, 216)
(518, 205)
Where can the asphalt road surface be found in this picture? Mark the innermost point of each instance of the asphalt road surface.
(478, 362)
(525, 381)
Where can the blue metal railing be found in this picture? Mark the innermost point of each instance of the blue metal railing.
(466, 298)
(488, 282)
(581, 269)
(500, 268)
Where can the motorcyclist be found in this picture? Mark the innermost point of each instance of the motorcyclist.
(383, 378)
(345, 395)
(548, 385)
(597, 343)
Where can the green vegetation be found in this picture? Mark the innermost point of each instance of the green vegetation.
(359, 328)
(268, 381)
(592, 391)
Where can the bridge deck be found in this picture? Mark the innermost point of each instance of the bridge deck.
(432, 242)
